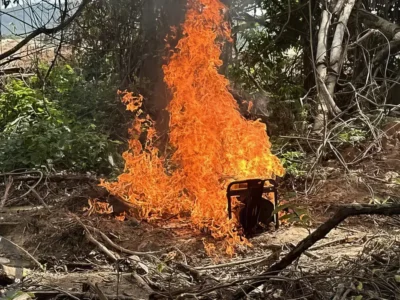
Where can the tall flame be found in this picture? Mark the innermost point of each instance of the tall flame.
(211, 142)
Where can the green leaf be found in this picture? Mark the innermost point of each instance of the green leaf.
(358, 297)
(282, 207)
(360, 286)
(160, 267)
(397, 278)
(287, 217)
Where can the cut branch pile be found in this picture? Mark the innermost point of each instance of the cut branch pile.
(281, 272)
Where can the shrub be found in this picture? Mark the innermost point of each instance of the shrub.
(36, 131)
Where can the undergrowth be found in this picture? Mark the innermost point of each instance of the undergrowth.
(59, 127)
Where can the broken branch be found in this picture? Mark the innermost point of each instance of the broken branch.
(24, 251)
(8, 187)
(100, 246)
(45, 30)
(118, 247)
(142, 283)
(343, 213)
(113, 256)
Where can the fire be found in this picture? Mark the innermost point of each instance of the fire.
(101, 208)
(210, 142)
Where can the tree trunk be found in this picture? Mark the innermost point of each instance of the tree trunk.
(327, 81)
(308, 63)
(321, 62)
(337, 54)
(158, 17)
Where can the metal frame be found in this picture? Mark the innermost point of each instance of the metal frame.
(253, 183)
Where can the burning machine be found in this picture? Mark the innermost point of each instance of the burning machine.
(255, 210)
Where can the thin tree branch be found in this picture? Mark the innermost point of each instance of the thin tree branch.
(392, 48)
(44, 30)
(389, 29)
(24, 251)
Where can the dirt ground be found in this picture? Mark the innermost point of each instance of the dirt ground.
(53, 236)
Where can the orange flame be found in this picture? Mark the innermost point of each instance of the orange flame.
(101, 208)
(211, 141)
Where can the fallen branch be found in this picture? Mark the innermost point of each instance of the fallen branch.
(381, 180)
(24, 251)
(343, 213)
(306, 253)
(234, 263)
(113, 256)
(59, 291)
(30, 188)
(22, 208)
(38, 197)
(106, 239)
(118, 247)
(97, 291)
(99, 245)
(345, 239)
(190, 270)
(5, 196)
(42, 294)
(185, 294)
(142, 283)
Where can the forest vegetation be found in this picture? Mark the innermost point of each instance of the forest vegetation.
(84, 82)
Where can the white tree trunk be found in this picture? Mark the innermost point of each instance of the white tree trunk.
(337, 54)
(326, 82)
(321, 60)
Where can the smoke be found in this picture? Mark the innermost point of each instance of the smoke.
(158, 19)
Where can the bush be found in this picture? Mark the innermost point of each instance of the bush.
(36, 131)
(89, 101)
(292, 162)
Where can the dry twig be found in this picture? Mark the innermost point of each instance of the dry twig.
(142, 283)
(8, 187)
(343, 213)
(110, 254)
(118, 247)
(113, 256)
(24, 251)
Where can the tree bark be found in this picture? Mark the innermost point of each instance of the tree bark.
(392, 33)
(157, 19)
(321, 60)
(337, 54)
(389, 29)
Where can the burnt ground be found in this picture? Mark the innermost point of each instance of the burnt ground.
(357, 259)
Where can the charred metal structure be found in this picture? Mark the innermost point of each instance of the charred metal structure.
(256, 211)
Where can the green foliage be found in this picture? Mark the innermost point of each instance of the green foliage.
(292, 162)
(352, 136)
(20, 103)
(111, 30)
(293, 214)
(91, 102)
(273, 70)
(40, 129)
(14, 295)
